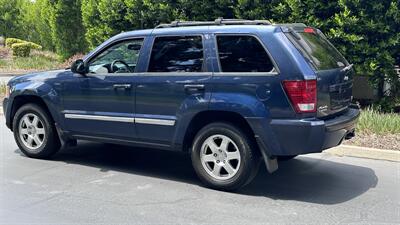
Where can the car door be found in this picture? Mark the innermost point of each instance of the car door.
(101, 103)
(175, 84)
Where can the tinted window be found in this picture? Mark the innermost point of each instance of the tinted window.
(177, 54)
(318, 50)
(242, 54)
(124, 55)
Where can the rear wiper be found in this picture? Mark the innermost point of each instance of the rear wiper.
(347, 68)
(294, 33)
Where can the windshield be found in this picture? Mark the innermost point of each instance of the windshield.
(318, 50)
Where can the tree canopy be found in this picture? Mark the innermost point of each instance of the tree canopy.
(366, 32)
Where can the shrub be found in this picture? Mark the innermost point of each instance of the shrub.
(374, 121)
(35, 46)
(21, 49)
(11, 41)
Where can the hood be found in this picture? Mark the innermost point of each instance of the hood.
(37, 76)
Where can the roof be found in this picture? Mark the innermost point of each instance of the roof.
(220, 24)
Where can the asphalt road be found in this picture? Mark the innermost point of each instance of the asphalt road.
(103, 184)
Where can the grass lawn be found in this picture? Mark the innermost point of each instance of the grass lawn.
(38, 60)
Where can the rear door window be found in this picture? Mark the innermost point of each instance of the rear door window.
(317, 49)
(177, 54)
(242, 53)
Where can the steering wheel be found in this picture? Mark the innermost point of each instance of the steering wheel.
(115, 69)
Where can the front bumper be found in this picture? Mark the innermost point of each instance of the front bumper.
(279, 137)
(6, 112)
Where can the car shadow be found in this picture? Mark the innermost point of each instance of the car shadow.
(304, 179)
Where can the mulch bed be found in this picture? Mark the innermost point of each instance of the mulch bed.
(385, 141)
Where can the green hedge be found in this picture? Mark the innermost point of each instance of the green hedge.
(11, 41)
(21, 49)
(35, 46)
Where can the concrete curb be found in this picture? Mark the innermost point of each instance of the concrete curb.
(364, 152)
(12, 74)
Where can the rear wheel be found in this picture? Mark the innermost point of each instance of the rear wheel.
(224, 157)
(35, 132)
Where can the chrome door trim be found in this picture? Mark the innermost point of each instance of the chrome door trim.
(163, 122)
(101, 118)
(155, 121)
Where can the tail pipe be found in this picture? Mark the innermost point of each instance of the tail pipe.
(350, 134)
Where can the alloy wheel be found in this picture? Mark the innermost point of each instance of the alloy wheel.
(220, 157)
(32, 131)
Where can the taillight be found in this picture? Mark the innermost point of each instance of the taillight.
(302, 94)
(309, 30)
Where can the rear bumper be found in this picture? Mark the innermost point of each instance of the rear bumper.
(296, 137)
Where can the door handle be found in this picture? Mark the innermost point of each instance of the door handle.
(122, 86)
(194, 87)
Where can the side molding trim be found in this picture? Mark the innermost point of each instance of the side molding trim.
(162, 122)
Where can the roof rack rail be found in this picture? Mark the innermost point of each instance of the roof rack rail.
(219, 21)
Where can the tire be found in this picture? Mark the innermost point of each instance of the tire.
(224, 168)
(286, 157)
(35, 132)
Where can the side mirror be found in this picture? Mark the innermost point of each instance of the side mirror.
(79, 67)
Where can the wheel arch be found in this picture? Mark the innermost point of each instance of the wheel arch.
(21, 100)
(204, 118)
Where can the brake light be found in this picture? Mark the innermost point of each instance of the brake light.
(309, 30)
(302, 94)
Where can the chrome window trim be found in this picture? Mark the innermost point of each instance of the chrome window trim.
(246, 74)
(174, 74)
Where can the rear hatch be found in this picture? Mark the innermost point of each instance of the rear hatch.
(334, 73)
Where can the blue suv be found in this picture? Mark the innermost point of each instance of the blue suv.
(232, 93)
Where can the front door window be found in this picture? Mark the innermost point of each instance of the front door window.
(119, 58)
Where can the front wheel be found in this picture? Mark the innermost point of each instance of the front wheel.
(35, 132)
(224, 157)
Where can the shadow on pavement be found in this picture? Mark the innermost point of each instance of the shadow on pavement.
(302, 179)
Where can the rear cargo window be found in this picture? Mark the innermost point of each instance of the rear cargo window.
(242, 54)
(318, 50)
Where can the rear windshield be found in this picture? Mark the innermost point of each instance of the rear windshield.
(318, 50)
